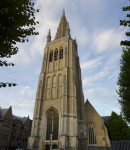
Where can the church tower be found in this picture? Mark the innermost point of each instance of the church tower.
(59, 104)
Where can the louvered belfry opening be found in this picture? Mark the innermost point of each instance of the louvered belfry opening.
(52, 124)
(61, 53)
(56, 54)
(51, 56)
(92, 134)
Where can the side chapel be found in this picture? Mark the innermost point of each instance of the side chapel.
(59, 104)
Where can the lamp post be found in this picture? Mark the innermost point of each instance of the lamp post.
(51, 135)
(19, 144)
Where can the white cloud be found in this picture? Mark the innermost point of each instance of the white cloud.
(24, 90)
(91, 64)
(29, 105)
(101, 94)
(27, 91)
(105, 39)
(88, 81)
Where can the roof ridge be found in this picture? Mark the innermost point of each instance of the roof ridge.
(6, 112)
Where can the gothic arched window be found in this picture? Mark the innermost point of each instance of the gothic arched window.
(52, 124)
(51, 56)
(56, 54)
(61, 53)
(92, 134)
(60, 85)
(48, 88)
(54, 87)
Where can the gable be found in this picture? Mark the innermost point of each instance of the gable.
(6, 113)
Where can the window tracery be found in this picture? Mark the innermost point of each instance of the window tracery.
(92, 134)
(52, 124)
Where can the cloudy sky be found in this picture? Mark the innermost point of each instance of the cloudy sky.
(96, 26)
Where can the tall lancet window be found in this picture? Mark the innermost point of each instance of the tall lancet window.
(56, 54)
(51, 56)
(52, 124)
(61, 53)
(92, 134)
(54, 87)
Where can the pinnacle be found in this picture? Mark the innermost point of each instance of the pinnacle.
(67, 27)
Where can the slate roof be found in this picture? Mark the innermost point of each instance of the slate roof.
(23, 119)
(19, 118)
(105, 118)
(2, 112)
(30, 122)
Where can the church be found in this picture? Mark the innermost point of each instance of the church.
(59, 104)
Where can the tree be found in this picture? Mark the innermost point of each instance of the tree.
(124, 84)
(16, 24)
(124, 75)
(118, 128)
(125, 23)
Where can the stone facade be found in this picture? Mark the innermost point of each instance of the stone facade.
(60, 92)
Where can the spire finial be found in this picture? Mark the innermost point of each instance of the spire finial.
(63, 15)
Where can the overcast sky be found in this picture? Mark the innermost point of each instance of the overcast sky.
(96, 26)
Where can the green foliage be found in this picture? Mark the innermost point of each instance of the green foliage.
(124, 75)
(118, 128)
(125, 23)
(16, 24)
(124, 84)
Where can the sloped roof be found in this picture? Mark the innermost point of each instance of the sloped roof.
(2, 112)
(19, 118)
(88, 102)
(105, 118)
(23, 119)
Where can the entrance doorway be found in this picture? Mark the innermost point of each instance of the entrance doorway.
(47, 147)
(54, 146)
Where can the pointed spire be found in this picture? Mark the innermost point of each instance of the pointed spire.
(49, 33)
(48, 37)
(61, 30)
